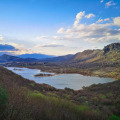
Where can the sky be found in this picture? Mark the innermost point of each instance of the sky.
(58, 27)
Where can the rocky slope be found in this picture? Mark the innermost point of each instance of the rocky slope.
(109, 54)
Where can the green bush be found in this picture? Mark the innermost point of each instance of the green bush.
(3, 96)
(102, 96)
(114, 117)
(3, 101)
(32, 84)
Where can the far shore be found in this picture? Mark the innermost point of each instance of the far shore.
(57, 71)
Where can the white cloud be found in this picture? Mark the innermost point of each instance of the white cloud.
(49, 45)
(1, 38)
(78, 17)
(107, 19)
(93, 47)
(89, 16)
(66, 37)
(41, 37)
(21, 49)
(100, 31)
(110, 3)
(102, 1)
(116, 21)
(61, 30)
(102, 20)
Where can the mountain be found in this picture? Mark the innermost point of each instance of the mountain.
(8, 58)
(35, 55)
(109, 54)
(86, 55)
(112, 47)
(103, 63)
(59, 58)
(2, 53)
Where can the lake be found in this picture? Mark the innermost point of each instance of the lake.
(73, 81)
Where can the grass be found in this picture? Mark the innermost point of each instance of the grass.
(102, 96)
(3, 100)
(3, 96)
(59, 102)
(110, 94)
(32, 84)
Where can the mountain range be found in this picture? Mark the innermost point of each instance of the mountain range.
(8, 58)
(35, 55)
(110, 54)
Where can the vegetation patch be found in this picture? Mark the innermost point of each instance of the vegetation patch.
(32, 84)
(102, 96)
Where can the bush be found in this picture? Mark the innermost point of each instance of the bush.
(3, 101)
(102, 96)
(114, 117)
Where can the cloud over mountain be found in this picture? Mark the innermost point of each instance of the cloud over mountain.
(6, 47)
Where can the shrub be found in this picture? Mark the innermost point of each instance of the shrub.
(102, 96)
(3, 96)
(3, 101)
(32, 84)
(109, 94)
(114, 117)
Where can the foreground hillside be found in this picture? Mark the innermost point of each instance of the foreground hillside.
(22, 99)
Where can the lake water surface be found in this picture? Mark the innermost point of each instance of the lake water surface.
(73, 81)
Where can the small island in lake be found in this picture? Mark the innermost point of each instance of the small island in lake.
(43, 75)
(16, 69)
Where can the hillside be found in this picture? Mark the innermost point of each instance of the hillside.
(8, 58)
(86, 55)
(24, 99)
(110, 55)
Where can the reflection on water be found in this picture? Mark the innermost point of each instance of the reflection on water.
(73, 81)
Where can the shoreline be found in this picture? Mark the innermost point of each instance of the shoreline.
(84, 73)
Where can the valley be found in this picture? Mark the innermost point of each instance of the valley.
(59, 59)
(102, 63)
(96, 101)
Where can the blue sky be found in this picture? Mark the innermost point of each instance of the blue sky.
(58, 27)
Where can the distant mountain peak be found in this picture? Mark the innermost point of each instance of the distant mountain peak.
(7, 56)
(36, 56)
(110, 47)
